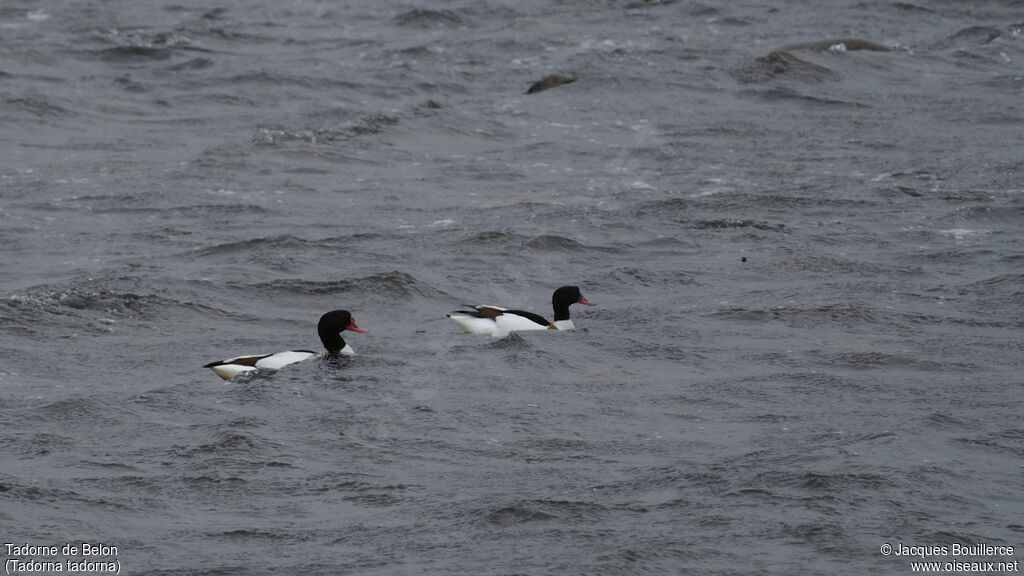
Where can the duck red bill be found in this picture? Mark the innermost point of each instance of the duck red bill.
(583, 300)
(352, 327)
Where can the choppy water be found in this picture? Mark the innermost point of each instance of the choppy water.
(180, 185)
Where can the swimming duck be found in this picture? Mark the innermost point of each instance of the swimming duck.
(498, 322)
(330, 327)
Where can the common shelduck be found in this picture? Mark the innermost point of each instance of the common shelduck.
(498, 322)
(330, 328)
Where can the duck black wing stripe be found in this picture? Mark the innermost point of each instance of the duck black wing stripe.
(531, 316)
(240, 361)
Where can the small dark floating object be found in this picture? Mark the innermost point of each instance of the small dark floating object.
(550, 81)
(743, 259)
(849, 44)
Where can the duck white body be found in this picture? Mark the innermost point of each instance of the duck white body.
(330, 327)
(498, 326)
(499, 322)
(232, 367)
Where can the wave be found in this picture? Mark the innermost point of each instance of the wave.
(285, 242)
(1010, 446)
(554, 243)
(872, 359)
(200, 63)
(634, 276)
(841, 314)
(38, 106)
(255, 533)
(847, 45)
(1013, 281)
(681, 209)
(77, 410)
(142, 205)
(426, 18)
(780, 94)
(821, 481)
(782, 64)
(268, 78)
(42, 309)
(133, 54)
(385, 284)
(540, 243)
(729, 223)
(55, 497)
(973, 36)
(367, 125)
(524, 511)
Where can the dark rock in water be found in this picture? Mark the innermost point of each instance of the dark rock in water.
(777, 64)
(849, 44)
(550, 81)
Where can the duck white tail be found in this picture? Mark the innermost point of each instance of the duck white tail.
(228, 369)
(474, 325)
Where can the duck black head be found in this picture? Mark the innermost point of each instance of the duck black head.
(332, 325)
(567, 296)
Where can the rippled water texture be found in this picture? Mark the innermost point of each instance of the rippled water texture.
(802, 222)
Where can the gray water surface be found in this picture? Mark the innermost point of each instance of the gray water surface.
(183, 184)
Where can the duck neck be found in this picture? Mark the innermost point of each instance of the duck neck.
(561, 311)
(332, 342)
